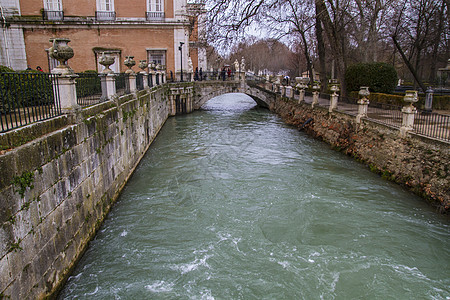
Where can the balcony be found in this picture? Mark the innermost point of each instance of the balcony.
(105, 15)
(53, 15)
(155, 16)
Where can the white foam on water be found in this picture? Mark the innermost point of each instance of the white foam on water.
(186, 268)
(93, 293)
(284, 264)
(160, 287)
(124, 233)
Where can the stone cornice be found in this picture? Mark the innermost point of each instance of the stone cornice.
(78, 22)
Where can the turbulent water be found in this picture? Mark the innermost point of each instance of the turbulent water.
(230, 203)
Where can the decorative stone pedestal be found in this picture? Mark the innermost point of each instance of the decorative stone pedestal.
(408, 112)
(363, 103)
(108, 83)
(334, 98)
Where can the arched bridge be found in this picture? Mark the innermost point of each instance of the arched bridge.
(193, 95)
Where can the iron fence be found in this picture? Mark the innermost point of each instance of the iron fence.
(139, 81)
(122, 84)
(386, 113)
(150, 80)
(26, 98)
(432, 124)
(89, 89)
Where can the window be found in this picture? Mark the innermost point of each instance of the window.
(155, 5)
(53, 10)
(105, 10)
(52, 5)
(155, 10)
(105, 5)
(157, 56)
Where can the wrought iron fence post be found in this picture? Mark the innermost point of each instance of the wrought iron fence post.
(408, 112)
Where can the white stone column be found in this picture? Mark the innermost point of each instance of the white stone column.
(363, 103)
(315, 99)
(108, 83)
(301, 97)
(408, 112)
(145, 79)
(315, 93)
(289, 92)
(65, 89)
(132, 81)
(334, 98)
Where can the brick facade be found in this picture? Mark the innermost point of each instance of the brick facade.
(129, 29)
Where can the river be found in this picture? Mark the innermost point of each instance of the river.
(231, 203)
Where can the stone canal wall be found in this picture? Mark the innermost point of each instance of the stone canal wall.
(418, 163)
(57, 188)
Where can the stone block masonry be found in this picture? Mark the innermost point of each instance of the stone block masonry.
(418, 163)
(56, 189)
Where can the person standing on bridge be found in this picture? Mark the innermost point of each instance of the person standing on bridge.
(223, 73)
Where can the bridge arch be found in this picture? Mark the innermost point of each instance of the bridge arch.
(205, 91)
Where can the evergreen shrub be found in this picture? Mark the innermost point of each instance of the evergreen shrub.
(379, 77)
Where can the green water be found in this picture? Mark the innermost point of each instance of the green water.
(230, 203)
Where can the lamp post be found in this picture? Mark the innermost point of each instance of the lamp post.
(181, 59)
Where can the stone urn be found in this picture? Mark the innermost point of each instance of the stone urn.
(106, 61)
(334, 88)
(411, 97)
(364, 92)
(301, 82)
(62, 53)
(129, 62)
(152, 66)
(316, 86)
(143, 65)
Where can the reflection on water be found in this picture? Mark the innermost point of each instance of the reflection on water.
(230, 203)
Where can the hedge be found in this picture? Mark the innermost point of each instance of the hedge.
(23, 89)
(379, 77)
(439, 102)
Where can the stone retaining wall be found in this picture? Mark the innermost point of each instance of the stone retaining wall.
(56, 189)
(418, 163)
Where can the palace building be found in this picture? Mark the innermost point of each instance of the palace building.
(146, 29)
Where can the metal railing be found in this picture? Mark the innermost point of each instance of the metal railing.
(386, 113)
(432, 124)
(26, 98)
(155, 16)
(105, 15)
(89, 89)
(53, 15)
(122, 84)
(139, 81)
